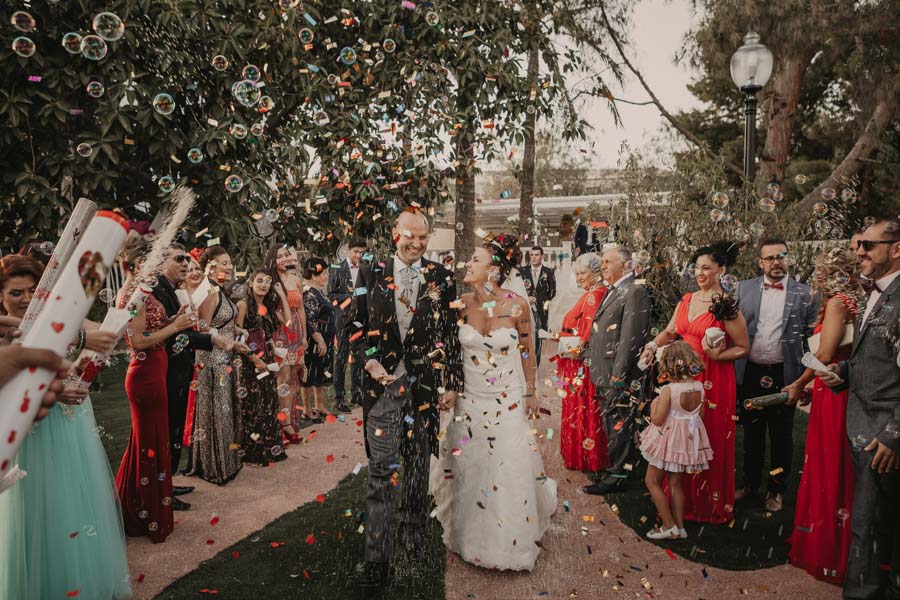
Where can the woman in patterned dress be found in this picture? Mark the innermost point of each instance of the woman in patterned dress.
(320, 322)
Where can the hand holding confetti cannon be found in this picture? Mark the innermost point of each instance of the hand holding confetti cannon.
(760, 402)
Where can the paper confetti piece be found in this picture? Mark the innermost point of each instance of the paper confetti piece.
(329, 458)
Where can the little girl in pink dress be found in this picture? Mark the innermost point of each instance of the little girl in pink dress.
(675, 443)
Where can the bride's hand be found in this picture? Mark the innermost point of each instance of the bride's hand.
(532, 406)
(447, 401)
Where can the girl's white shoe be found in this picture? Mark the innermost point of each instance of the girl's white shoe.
(672, 533)
(682, 533)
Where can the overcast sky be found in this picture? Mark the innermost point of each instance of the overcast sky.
(658, 30)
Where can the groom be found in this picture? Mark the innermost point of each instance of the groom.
(403, 329)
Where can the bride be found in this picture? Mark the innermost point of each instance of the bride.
(493, 498)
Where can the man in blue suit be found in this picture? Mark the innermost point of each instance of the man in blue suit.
(780, 314)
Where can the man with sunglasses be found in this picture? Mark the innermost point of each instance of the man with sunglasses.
(181, 356)
(781, 314)
(873, 418)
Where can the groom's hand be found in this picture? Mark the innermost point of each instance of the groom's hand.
(377, 372)
(447, 401)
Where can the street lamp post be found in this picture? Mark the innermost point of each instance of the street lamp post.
(751, 67)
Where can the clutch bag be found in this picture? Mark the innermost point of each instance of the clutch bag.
(846, 340)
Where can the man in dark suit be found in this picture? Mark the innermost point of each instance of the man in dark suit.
(582, 241)
(405, 333)
(341, 282)
(780, 313)
(540, 282)
(873, 419)
(620, 328)
(180, 348)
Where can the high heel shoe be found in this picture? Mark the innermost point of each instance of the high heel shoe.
(289, 438)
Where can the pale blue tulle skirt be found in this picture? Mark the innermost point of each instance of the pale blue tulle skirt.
(61, 526)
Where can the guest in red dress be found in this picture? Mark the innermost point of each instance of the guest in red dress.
(582, 440)
(821, 539)
(709, 495)
(144, 479)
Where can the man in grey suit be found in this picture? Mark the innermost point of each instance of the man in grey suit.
(873, 419)
(620, 328)
(781, 314)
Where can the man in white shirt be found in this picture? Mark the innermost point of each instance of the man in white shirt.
(873, 418)
(780, 314)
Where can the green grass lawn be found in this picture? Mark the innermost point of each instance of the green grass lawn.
(755, 540)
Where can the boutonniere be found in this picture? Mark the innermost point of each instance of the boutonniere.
(433, 292)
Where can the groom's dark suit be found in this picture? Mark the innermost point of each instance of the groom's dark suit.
(402, 419)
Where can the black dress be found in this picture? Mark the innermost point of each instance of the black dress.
(320, 318)
(260, 437)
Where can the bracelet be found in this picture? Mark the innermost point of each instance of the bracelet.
(652, 344)
(82, 336)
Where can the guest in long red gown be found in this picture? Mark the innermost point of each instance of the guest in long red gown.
(582, 439)
(144, 479)
(709, 495)
(821, 539)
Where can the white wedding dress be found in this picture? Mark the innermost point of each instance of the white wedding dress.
(493, 498)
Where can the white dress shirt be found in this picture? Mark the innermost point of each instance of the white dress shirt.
(613, 286)
(535, 276)
(766, 347)
(406, 282)
(354, 271)
(882, 284)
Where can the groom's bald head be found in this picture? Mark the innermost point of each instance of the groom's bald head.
(410, 234)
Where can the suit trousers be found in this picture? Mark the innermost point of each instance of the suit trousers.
(778, 421)
(178, 384)
(619, 412)
(340, 371)
(395, 429)
(875, 529)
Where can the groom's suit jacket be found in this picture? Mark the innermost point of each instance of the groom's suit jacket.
(431, 350)
(872, 372)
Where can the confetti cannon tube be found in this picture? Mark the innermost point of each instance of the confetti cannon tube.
(78, 222)
(761, 402)
(56, 325)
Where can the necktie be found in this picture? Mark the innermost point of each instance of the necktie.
(773, 286)
(869, 285)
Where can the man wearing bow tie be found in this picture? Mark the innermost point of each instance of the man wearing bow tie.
(780, 314)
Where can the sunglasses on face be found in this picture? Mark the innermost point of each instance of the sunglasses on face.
(182, 258)
(869, 244)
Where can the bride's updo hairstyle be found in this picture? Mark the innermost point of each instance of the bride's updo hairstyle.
(505, 254)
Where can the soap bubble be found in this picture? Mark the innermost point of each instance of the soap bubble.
(757, 229)
(306, 35)
(460, 226)
(251, 73)
(246, 92)
(707, 385)
(22, 21)
(588, 444)
(828, 194)
(716, 215)
(849, 196)
(432, 18)
(271, 214)
(822, 227)
(766, 382)
(143, 514)
(152, 526)
(23, 46)
(145, 481)
(93, 47)
(800, 179)
(841, 278)
(283, 389)
(164, 104)
(820, 209)
(47, 247)
(84, 150)
(71, 42)
(257, 129)
(233, 184)
(643, 257)
(321, 118)
(219, 62)
(720, 199)
(277, 450)
(108, 26)
(241, 392)
(348, 55)
(728, 282)
(107, 295)
(772, 188)
(265, 104)
(389, 45)
(167, 501)
(288, 212)
(166, 184)
(843, 514)
(199, 435)
(766, 205)
(182, 339)
(239, 131)
(195, 155)
(94, 89)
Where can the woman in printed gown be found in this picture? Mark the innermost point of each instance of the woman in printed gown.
(709, 495)
(582, 440)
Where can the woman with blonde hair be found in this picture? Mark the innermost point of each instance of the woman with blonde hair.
(821, 540)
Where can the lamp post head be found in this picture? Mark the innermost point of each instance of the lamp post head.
(751, 65)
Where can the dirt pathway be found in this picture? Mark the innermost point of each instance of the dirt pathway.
(611, 560)
(255, 498)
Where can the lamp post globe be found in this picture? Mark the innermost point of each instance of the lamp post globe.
(751, 67)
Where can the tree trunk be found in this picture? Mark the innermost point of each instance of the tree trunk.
(782, 110)
(881, 118)
(526, 198)
(464, 238)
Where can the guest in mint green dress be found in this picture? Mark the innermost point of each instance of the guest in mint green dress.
(60, 526)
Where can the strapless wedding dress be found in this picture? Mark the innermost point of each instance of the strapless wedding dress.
(493, 498)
